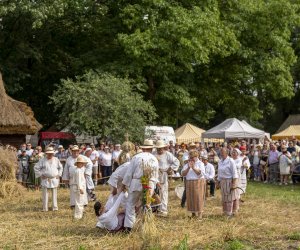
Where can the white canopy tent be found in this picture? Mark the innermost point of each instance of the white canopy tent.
(233, 128)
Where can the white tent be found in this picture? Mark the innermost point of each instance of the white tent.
(233, 128)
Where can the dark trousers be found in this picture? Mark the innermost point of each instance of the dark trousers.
(105, 171)
(212, 186)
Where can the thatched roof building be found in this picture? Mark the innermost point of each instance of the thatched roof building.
(16, 119)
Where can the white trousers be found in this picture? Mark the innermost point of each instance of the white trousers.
(45, 198)
(79, 204)
(164, 196)
(132, 201)
(73, 197)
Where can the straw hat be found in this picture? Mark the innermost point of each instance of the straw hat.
(192, 144)
(204, 157)
(60, 146)
(49, 150)
(75, 148)
(147, 144)
(160, 144)
(80, 159)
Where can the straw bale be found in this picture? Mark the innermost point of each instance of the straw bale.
(8, 168)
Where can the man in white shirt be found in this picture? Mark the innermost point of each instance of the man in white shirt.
(167, 164)
(132, 180)
(209, 175)
(49, 169)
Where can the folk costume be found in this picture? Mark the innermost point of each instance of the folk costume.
(228, 179)
(243, 177)
(195, 185)
(111, 219)
(132, 181)
(79, 187)
(68, 175)
(50, 171)
(167, 164)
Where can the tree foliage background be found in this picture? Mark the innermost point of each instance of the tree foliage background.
(195, 61)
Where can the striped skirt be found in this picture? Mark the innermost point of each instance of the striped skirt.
(195, 195)
(228, 195)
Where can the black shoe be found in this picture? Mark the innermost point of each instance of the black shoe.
(182, 205)
(97, 207)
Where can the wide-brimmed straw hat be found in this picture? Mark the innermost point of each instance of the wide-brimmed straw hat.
(160, 144)
(80, 159)
(50, 150)
(147, 144)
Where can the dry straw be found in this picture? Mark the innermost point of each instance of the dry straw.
(8, 168)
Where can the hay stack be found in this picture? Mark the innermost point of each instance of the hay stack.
(8, 167)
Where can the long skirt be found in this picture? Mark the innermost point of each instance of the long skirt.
(230, 198)
(195, 195)
(32, 179)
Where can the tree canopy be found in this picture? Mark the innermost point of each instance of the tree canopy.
(103, 105)
(194, 61)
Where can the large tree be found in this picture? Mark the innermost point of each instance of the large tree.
(104, 105)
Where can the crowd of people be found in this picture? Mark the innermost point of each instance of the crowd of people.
(203, 167)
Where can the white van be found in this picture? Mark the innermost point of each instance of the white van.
(164, 133)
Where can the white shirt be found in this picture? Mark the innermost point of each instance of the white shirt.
(133, 176)
(116, 178)
(165, 161)
(115, 154)
(227, 169)
(50, 169)
(93, 156)
(29, 152)
(191, 175)
(79, 179)
(209, 171)
(106, 159)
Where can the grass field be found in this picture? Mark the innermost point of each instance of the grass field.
(269, 219)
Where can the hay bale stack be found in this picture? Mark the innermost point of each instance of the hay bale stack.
(8, 168)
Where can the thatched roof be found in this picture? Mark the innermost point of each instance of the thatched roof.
(291, 120)
(15, 117)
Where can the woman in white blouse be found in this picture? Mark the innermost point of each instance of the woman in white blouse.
(228, 180)
(194, 172)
